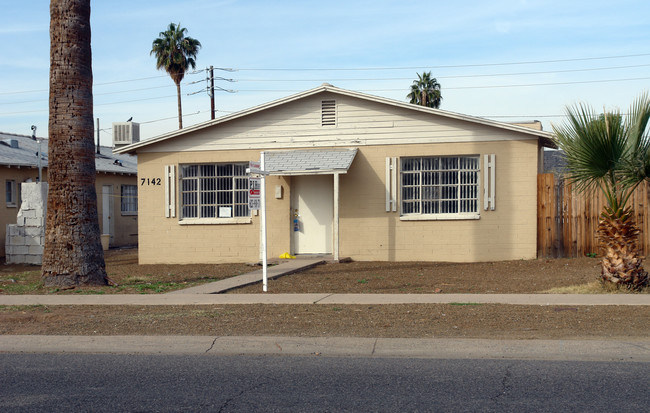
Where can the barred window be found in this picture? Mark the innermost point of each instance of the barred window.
(214, 191)
(440, 185)
(129, 199)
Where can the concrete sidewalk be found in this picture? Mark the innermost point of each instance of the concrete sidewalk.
(209, 294)
(328, 299)
(632, 350)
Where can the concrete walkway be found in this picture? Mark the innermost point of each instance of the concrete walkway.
(327, 299)
(284, 267)
(209, 294)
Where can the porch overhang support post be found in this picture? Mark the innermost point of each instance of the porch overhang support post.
(335, 225)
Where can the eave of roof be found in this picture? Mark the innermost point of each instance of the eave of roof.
(546, 138)
(25, 156)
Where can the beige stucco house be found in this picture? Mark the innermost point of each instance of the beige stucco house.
(349, 174)
(115, 184)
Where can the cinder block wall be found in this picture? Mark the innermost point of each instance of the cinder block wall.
(25, 240)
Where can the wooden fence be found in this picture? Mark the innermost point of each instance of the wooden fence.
(567, 221)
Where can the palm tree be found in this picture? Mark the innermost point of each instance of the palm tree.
(73, 252)
(611, 153)
(425, 91)
(176, 54)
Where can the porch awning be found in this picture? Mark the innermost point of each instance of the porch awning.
(308, 162)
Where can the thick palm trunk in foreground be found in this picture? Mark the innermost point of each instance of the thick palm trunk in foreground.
(621, 263)
(73, 254)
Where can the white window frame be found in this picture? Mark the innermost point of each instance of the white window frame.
(128, 199)
(11, 194)
(204, 201)
(425, 175)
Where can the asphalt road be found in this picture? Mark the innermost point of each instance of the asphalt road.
(110, 382)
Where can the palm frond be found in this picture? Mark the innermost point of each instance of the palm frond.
(637, 167)
(425, 91)
(596, 148)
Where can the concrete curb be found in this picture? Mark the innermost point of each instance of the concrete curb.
(328, 299)
(636, 350)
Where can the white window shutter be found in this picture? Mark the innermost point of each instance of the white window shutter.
(489, 182)
(391, 184)
(170, 191)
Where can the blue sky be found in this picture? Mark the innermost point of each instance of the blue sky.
(508, 60)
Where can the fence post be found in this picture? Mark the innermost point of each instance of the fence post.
(545, 215)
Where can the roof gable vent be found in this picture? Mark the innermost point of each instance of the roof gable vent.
(328, 113)
(125, 133)
(12, 143)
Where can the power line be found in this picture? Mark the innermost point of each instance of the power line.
(468, 87)
(447, 66)
(337, 79)
(376, 68)
(105, 130)
(144, 78)
(369, 90)
(134, 100)
(132, 90)
(449, 77)
(549, 84)
(348, 79)
(103, 83)
(171, 117)
(98, 94)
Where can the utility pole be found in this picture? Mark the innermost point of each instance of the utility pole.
(211, 91)
(97, 136)
(39, 154)
(209, 79)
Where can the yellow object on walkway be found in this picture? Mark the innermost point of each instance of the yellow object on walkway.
(286, 255)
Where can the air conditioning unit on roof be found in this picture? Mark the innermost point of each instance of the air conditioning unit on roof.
(125, 133)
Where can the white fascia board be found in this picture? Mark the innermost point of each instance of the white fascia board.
(309, 172)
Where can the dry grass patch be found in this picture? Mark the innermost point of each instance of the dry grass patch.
(123, 269)
(594, 287)
(560, 276)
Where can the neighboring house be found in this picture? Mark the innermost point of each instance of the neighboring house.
(554, 162)
(350, 174)
(116, 185)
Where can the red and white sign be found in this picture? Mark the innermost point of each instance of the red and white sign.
(254, 193)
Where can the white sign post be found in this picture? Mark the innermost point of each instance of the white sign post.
(263, 246)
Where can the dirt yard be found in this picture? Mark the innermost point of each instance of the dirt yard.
(505, 277)
(449, 320)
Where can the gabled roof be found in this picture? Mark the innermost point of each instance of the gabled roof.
(21, 151)
(545, 137)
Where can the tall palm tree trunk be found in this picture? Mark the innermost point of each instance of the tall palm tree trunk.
(180, 109)
(73, 253)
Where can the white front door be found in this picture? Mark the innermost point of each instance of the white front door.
(312, 203)
(107, 209)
